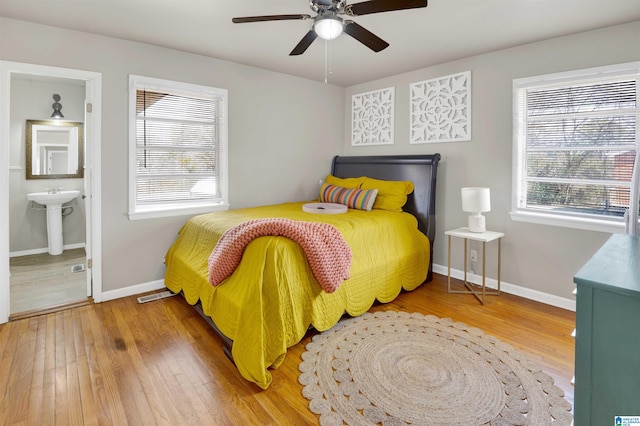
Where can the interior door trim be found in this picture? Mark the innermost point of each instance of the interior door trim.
(93, 144)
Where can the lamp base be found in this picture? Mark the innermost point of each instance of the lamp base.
(476, 223)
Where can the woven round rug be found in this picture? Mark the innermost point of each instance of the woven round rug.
(397, 368)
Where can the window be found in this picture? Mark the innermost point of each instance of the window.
(177, 148)
(576, 148)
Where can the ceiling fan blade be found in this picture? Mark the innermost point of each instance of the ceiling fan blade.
(365, 36)
(268, 18)
(377, 6)
(306, 41)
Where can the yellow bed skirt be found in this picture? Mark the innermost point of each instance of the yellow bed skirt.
(269, 302)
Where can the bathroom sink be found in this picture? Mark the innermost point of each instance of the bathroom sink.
(53, 198)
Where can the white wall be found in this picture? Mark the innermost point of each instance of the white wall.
(31, 100)
(535, 257)
(279, 140)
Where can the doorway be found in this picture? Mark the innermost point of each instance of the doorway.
(13, 164)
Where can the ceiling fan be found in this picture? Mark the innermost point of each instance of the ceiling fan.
(328, 23)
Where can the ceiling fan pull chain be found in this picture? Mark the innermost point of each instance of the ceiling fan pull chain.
(330, 58)
(326, 43)
(328, 63)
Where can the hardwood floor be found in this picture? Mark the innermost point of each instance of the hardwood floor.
(40, 281)
(120, 362)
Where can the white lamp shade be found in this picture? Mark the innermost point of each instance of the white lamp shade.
(476, 200)
(328, 28)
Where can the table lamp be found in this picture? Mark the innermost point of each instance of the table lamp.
(476, 200)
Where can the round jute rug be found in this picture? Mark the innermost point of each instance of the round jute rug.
(396, 368)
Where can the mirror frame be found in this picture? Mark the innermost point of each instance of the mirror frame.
(29, 148)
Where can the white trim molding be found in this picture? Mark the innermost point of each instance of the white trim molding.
(516, 290)
(93, 88)
(132, 290)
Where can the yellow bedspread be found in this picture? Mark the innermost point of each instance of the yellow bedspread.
(268, 303)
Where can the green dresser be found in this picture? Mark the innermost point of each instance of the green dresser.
(607, 357)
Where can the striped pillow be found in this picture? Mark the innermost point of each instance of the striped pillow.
(361, 199)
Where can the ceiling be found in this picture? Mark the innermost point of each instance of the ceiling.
(444, 31)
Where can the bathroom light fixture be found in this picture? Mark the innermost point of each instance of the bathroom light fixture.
(328, 26)
(57, 106)
(476, 201)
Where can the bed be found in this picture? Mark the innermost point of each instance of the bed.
(272, 298)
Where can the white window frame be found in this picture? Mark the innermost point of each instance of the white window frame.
(137, 211)
(570, 220)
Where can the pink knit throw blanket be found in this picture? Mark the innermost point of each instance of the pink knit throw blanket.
(328, 254)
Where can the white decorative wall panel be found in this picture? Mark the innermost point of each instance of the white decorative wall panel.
(441, 109)
(372, 118)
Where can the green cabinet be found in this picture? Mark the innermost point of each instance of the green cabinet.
(607, 354)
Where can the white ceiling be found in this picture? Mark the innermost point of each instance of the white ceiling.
(444, 31)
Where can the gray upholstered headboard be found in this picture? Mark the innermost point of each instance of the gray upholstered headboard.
(420, 169)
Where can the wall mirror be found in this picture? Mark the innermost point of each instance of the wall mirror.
(55, 149)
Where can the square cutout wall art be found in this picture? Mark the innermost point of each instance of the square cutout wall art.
(372, 117)
(441, 109)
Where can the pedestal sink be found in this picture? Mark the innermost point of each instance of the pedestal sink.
(53, 200)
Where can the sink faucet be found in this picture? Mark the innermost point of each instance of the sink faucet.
(55, 190)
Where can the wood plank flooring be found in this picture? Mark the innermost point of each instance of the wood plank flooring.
(124, 363)
(40, 281)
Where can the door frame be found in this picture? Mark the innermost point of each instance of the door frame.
(92, 174)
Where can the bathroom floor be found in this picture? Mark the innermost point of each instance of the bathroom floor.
(41, 281)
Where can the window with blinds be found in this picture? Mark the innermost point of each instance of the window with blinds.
(177, 147)
(576, 146)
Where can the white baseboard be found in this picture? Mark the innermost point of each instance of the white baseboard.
(527, 293)
(491, 283)
(43, 250)
(132, 290)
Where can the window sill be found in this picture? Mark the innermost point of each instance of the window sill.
(588, 224)
(187, 210)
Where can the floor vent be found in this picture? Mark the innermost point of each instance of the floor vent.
(155, 296)
(77, 268)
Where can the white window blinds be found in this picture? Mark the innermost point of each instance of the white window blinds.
(178, 147)
(577, 144)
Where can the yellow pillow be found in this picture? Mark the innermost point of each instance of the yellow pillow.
(392, 194)
(345, 182)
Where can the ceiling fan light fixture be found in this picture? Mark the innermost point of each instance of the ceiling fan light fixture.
(328, 27)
